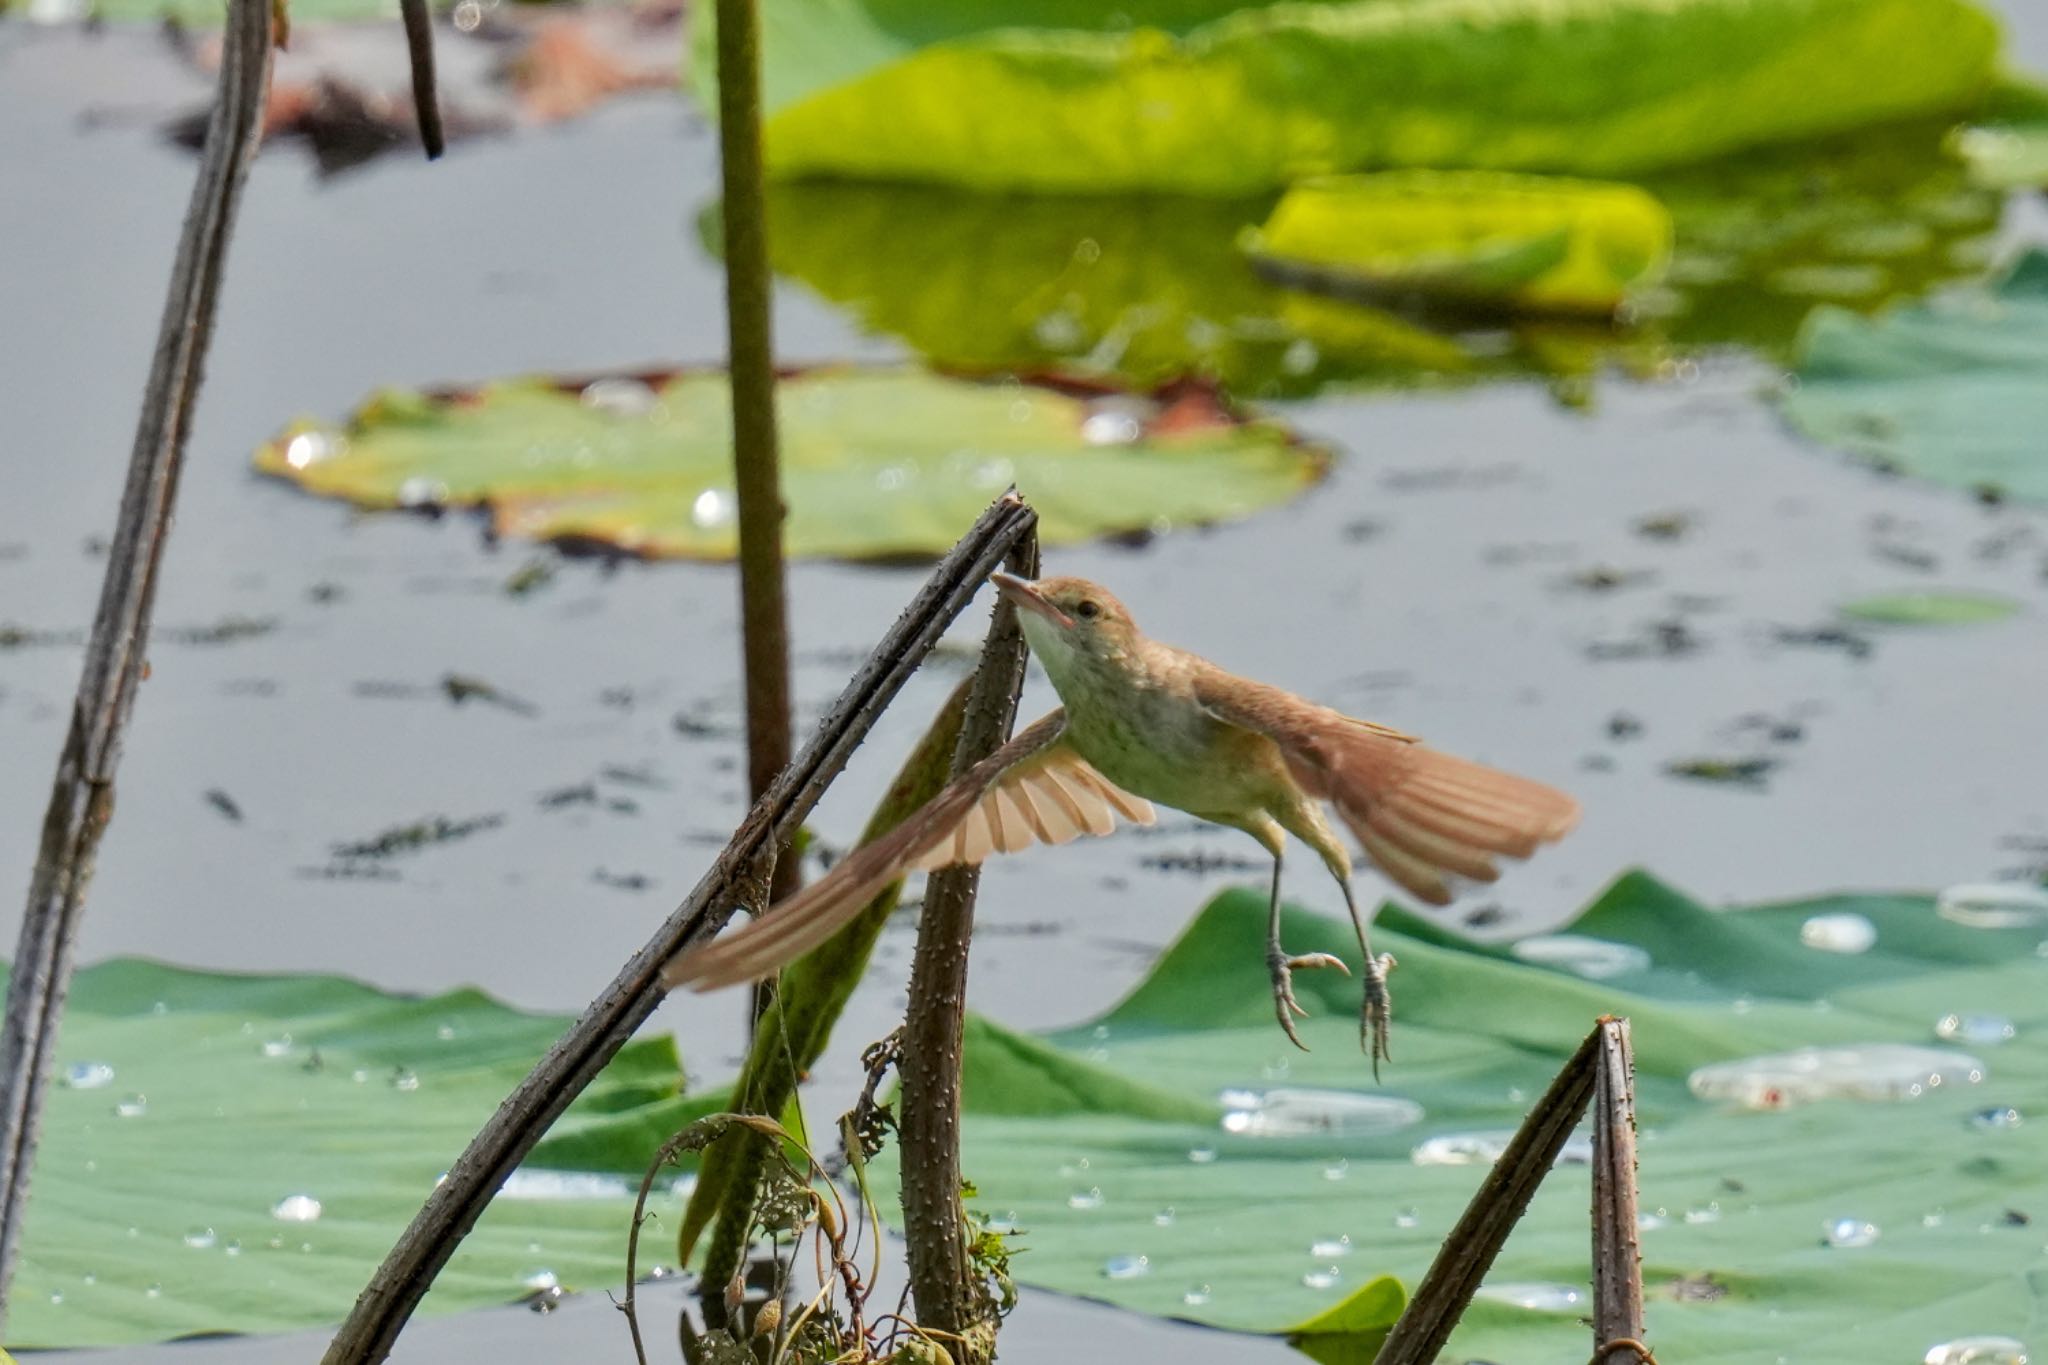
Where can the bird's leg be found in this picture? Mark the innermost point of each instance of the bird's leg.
(1281, 964)
(1377, 1014)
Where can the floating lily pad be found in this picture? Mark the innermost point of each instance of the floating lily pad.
(1931, 608)
(1535, 243)
(237, 1153)
(1954, 389)
(875, 463)
(1197, 96)
(1141, 290)
(1862, 1230)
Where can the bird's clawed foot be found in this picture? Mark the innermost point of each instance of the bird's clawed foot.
(1377, 1016)
(1282, 968)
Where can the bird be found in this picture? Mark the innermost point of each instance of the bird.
(1144, 722)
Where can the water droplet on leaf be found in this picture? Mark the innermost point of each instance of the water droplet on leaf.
(1850, 1232)
(1111, 429)
(539, 1184)
(1536, 1296)
(1977, 1351)
(1982, 1030)
(1842, 933)
(309, 448)
(713, 508)
(1993, 905)
(621, 396)
(296, 1208)
(1284, 1113)
(1596, 959)
(1877, 1071)
(88, 1075)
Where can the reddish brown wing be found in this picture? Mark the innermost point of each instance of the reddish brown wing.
(1421, 815)
(1033, 790)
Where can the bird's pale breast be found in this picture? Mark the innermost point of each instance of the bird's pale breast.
(1160, 744)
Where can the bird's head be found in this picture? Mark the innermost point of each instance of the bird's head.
(1069, 620)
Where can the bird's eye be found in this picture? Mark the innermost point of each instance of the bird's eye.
(1086, 609)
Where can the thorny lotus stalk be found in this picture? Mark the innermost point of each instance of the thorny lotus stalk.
(1467, 1254)
(408, 1271)
(809, 999)
(951, 1300)
(1617, 1255)
(82, 795)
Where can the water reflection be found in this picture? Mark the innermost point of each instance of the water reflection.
(1145, 289)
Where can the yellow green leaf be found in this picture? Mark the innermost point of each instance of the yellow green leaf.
(1209, 97)
(1527, 242)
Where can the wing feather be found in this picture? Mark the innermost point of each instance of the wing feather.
(1035, 789)
(1090, 814)
(1422, 816)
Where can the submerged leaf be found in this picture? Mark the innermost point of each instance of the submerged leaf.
(1196, 96)
(1954, 389)
(1931, 608)
(1535, 243)
(874, 462)
(237, 1153)
(1256, 1226)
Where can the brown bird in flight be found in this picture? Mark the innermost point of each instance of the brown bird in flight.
(1144, 722)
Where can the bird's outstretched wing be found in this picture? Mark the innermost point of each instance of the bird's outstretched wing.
(1420, 814)
(1034, 790)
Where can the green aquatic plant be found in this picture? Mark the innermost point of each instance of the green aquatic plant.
(1195, 96)
(1831, 1094)
(876, 462)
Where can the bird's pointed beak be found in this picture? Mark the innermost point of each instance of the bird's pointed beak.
(1027, 597)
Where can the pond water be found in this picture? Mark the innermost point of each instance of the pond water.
(1432, 582)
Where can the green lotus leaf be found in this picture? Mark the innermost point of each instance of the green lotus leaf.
(237, 1153)
(1539, 243)
(1954, 389)
(1931, 607)
(875, 462)
(1191, 96)
(1306, 1182)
